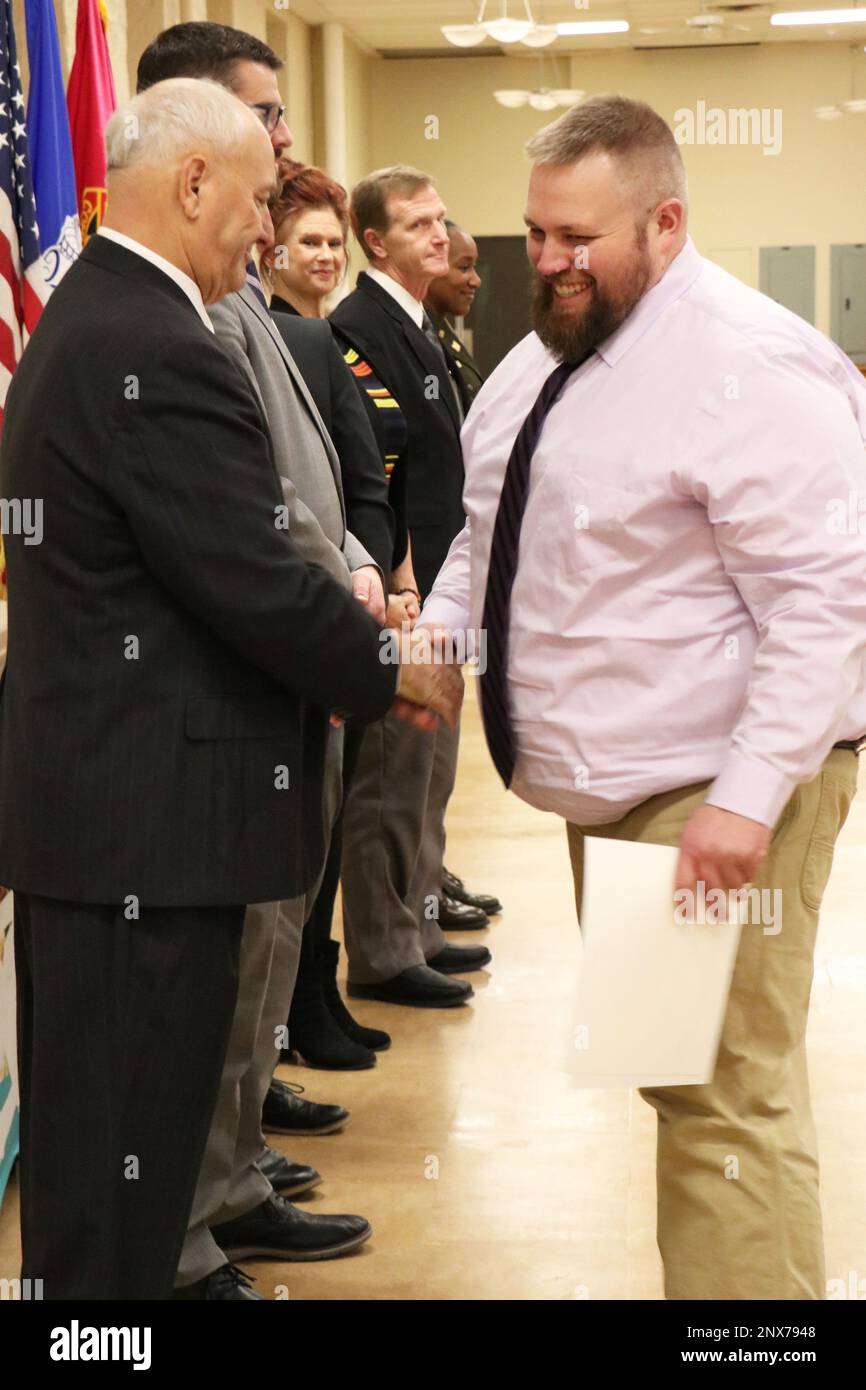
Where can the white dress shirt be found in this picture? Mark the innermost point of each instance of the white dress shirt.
(413, 307)
(189, 287)
(690, 600)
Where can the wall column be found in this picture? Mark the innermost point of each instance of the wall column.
(334, 73)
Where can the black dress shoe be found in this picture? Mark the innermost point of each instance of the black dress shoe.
(276, 1230)
(290, 1179)
(454, 887)
(455, 916)
(453, 960)
(418, 986)
(285, 1113)
(225, 1283)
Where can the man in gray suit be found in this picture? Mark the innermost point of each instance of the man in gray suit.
(236, 1213)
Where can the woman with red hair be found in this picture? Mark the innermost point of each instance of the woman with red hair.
(305, 265)
(309, 257)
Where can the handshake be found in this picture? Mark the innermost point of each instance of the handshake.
(428, 686)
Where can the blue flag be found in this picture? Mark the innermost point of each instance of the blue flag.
(50, 146)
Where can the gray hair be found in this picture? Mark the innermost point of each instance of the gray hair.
(175, 117)
(631, 132)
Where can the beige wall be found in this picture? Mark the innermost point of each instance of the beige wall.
(358, 68)
(296, 84)
(812, 192)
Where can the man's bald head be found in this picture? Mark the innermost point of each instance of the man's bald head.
(190, 172)
(177, 117)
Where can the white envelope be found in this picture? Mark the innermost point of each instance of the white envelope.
(651, 991)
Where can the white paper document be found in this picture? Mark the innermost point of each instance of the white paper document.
(652, 991)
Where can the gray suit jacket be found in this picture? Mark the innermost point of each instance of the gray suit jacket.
(311, 485)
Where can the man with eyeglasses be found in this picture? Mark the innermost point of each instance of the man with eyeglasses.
(238, 1211)
(272, 113)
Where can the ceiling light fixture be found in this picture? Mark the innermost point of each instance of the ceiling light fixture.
(542, 99)
(506, 29)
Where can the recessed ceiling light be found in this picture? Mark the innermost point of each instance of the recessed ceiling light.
(846, 16)
(577, 27)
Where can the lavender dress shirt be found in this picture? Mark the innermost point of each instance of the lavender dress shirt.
(690, 601)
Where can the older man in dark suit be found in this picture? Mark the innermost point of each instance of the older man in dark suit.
(172, 662)
(336, 519)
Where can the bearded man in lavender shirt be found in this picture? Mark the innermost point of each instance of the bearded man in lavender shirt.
(676, 652)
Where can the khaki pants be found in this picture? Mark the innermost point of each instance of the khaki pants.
(739, 1215)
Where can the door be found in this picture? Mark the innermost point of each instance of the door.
(500, 314)
(848, 299)
(788, 276)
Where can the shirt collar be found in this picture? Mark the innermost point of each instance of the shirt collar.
(183, 281)
(413, 307)
(680, 275)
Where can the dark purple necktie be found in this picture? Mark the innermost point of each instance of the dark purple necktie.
(255, 284)
(502, 570)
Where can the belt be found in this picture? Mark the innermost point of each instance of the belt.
(856, 745)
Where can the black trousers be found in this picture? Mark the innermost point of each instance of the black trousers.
(123, 1027)
(317, 928)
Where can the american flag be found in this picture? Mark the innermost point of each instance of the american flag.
(22, 287)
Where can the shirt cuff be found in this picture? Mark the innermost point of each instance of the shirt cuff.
(442, 611)
(752, 789)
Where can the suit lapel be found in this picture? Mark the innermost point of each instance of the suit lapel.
(434, 362)
(253, 306)
(417, 342)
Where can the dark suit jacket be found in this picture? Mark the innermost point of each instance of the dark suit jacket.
(365, 491)
(372, 322)
(171, 657)
(466, 371)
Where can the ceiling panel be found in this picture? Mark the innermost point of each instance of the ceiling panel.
(388, 25)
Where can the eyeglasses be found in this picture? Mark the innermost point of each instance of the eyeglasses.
(270, 115)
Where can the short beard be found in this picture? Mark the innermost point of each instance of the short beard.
(572, 339)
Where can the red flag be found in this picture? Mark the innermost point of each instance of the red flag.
(91, 99)
(22, 285)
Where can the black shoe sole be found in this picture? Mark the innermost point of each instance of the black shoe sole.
(382, 1047)
(464, 926)
(460, 969)
(409, 1003)
(294, 1190)
(300, 1060)
(262, 1252)
(296, 1129)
